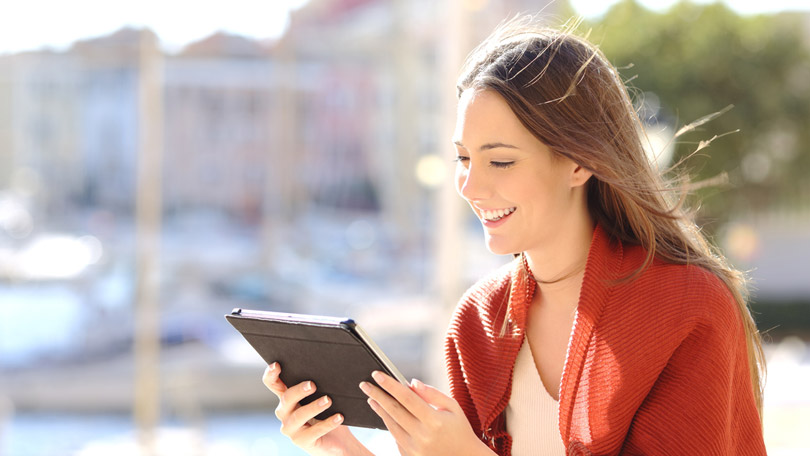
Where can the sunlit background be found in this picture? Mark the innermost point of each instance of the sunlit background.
(164, 162)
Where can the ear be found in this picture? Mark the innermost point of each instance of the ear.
(579, 176)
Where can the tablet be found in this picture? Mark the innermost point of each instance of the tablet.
(335, 353)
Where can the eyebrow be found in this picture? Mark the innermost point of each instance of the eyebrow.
(488, 146)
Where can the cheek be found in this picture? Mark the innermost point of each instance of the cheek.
(540, 198)
(460, 177)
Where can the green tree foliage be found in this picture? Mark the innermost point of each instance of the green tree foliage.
(699, 59)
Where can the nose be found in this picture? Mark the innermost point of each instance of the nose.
(470, 182)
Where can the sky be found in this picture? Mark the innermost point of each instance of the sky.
(33, 24)
(56, 24)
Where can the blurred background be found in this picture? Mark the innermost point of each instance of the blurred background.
(161, 164)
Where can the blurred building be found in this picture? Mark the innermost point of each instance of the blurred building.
(69, 124)
(218, 125)
(39, 129)
(373, 84)
(337, 114)
(107, 118)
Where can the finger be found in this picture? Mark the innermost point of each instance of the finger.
(434, 397)
(307, 437)
(290, 399)
(390, 405)
(272, 381)
(398, 432)
(404, 395)
(302, 415)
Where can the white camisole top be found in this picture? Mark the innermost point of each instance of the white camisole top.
(532, 415)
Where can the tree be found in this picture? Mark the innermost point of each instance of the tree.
(699, 59)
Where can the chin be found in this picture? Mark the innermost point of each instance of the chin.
(500, 248)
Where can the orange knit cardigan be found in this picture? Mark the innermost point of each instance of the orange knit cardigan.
(655, 366)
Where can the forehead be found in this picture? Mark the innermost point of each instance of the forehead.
(485, 115)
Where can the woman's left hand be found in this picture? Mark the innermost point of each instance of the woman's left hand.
(422, 419)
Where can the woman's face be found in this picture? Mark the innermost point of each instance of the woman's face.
(522, 194)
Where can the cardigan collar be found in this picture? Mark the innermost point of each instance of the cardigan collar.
(602, 266)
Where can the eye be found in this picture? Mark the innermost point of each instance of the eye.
(496, 164)
(462, 160)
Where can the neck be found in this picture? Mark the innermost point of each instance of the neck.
(561, 263)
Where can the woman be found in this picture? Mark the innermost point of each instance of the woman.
(617, 329)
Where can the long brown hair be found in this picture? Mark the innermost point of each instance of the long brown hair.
(564, 91)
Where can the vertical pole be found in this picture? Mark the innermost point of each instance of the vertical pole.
(448, 248)
(146, 406)
(280, 192)
(405, 192)
(6, 415)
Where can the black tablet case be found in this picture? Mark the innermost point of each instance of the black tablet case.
(333, 357)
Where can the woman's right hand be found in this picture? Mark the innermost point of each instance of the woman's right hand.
(298, 423)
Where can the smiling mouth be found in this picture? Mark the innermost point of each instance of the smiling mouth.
(494, 216)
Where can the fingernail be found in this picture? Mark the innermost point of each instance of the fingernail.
(378, 377)
(323, 401)
(338, 418)
(273, 367)
(364, 387)
(372, 403)
(416, 384)
(307, 386)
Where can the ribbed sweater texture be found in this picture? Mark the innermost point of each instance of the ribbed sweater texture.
(655, 366)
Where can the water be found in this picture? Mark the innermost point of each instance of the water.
(37, 320)
(235, 434)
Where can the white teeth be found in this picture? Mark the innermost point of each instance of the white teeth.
(497, 214)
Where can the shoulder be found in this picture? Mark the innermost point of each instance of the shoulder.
(675, 283)
(687, 295)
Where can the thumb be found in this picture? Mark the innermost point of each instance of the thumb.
(272, 381)
(433, 396)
